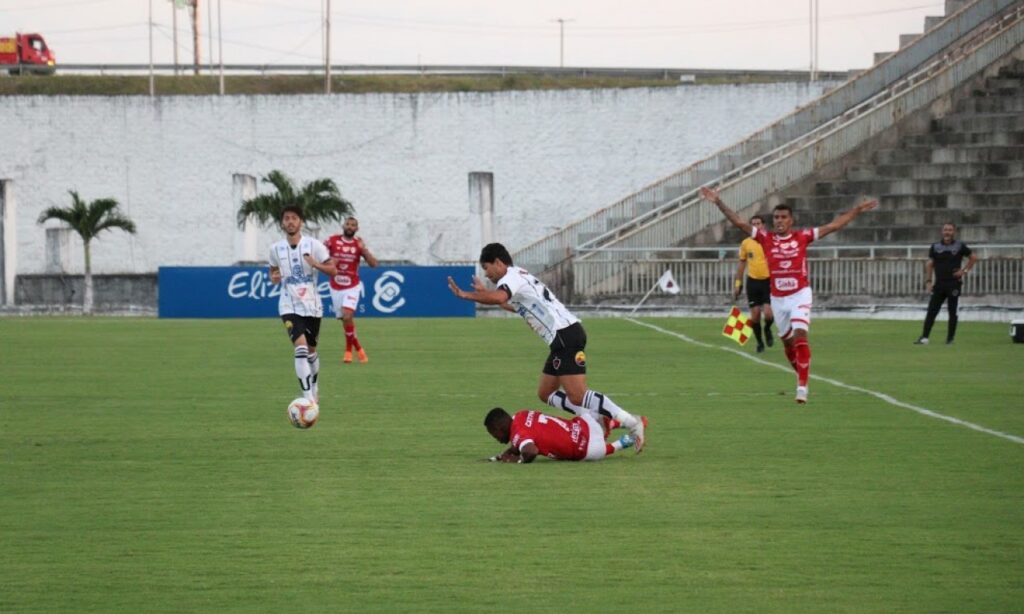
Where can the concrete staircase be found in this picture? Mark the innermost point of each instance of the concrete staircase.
(967, 167)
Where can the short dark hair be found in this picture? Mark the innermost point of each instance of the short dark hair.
(495, 417)
(296, 209)
(757, 217)
(949, 224)
(783, 207)
(495, 251)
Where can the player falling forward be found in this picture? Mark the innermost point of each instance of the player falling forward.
(786, 252)
(531, 434)
(294, 263)
(563, 380)
(347, 249)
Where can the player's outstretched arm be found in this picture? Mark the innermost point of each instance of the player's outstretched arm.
(849, 216)
(482, 296)
(712, 196)
(509, 455)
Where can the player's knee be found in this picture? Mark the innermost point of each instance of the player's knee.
(576, 398)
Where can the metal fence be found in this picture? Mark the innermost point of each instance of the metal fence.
(878, 271)
(652, 202)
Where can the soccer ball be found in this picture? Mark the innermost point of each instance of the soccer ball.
(303, 413)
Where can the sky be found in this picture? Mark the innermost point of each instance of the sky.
(741, 34)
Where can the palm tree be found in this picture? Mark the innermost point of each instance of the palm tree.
(320, 199)
(88, 220)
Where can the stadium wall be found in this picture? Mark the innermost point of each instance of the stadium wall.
(402, 159)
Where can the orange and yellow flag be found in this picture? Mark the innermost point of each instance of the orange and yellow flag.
(737, 326)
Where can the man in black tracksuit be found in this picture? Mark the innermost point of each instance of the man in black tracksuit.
(944, 258)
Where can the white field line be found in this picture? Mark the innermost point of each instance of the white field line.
(879, 395)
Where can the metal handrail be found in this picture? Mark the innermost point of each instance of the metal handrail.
(776, 169)
(835, 103)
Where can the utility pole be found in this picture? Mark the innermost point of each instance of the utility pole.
(561, 39)
(152, 80)
(327, 48)
(220, 49)
(195, 36)
(813, 26)
(209, 35)
(174, 27)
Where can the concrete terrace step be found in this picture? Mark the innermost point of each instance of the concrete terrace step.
(986, 233)
(937, 171)
(949, 155)
(984, 200)
(919, 186)
(990, 104)
(934, 218)
(945, 139)
(980, 122)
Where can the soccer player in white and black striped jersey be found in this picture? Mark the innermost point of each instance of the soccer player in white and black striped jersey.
(563, 380)
(294, 263)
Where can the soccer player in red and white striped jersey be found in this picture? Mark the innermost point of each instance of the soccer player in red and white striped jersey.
(785, 249)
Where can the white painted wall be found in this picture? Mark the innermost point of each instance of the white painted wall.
(402, 159)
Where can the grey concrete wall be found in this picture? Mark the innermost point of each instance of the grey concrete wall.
(113, 293)
(402, 159)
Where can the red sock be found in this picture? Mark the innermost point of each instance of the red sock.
(803, 361)
(350, 337)
(609, 449)
(791, 356)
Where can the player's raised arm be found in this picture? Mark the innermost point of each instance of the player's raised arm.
(847, 217)
(480, 294)
(712, 196)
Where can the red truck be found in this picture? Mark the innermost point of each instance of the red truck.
(26, 53)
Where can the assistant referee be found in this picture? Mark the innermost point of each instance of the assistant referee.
(758, 282)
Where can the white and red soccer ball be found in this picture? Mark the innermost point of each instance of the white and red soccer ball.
(303, 413)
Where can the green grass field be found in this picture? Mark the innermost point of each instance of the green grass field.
(147, 465)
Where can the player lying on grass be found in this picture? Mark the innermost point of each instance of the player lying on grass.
(531, 434)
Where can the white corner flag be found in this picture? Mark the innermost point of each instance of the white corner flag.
(667, 283)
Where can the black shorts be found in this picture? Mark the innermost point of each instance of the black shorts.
(567, 356)
(759, 292)
(297, 326)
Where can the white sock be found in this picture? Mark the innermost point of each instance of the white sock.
(314, 372)
(560, 400)
(600, 404)
(302, 371)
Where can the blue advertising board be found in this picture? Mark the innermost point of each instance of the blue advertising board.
(246, 292)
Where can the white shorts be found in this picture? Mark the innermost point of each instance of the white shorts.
(792, 312)
(346, 299)
(595, 440)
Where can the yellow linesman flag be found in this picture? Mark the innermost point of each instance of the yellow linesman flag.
(737, 326)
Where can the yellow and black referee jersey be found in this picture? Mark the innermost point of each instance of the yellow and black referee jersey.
(753, 255)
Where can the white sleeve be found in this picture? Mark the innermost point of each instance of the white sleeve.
(320, 252)
(513, 281)
(273, 258)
